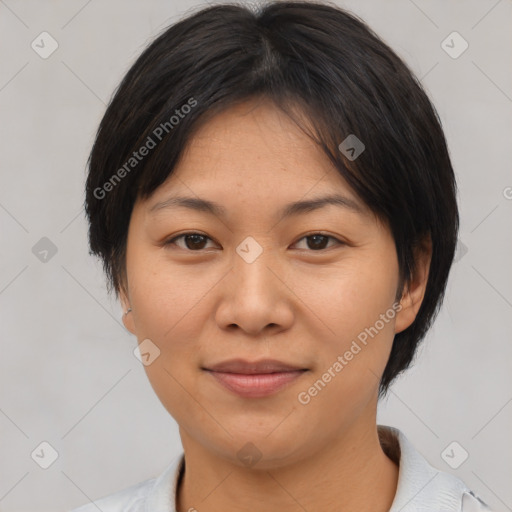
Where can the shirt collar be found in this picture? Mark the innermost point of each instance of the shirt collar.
(421, 487)
(162, 497)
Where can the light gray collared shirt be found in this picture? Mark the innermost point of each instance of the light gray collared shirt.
(421, 487)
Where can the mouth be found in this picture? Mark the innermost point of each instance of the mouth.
(254, 379)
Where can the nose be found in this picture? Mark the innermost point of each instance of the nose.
(255, 297)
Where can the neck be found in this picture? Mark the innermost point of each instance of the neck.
(351, 474)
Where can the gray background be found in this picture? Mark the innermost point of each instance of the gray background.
(68, 373)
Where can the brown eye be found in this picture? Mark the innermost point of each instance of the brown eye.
(318, 241)
(195, 242)
(192, 241)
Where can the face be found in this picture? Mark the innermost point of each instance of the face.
(313, 288)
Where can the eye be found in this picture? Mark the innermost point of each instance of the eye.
(193, 241)
(318, 241)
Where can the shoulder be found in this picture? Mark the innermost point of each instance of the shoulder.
(150, 495)
(421, 487)
(130, 499)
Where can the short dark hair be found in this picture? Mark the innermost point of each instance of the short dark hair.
(310, 58)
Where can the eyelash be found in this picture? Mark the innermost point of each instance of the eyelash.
(183, 235)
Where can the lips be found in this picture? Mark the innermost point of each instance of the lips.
(254, 379)
(241, 366)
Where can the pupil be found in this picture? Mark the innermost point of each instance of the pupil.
(196, 239)
(322, 238)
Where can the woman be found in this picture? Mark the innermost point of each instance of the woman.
(273, 201)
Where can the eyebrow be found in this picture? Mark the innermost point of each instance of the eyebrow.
(291, 209)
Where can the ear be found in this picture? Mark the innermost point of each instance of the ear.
(125, 303)
(414, 289)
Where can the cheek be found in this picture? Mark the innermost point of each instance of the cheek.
(350, 297)
(169, 311)
(166, 298)
(356, 314)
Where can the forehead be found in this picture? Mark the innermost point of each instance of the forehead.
(254, 148)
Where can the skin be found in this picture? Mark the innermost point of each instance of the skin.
(201, 303)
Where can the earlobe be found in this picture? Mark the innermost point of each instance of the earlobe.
(128, 322)
(127, 313)
(414, 291)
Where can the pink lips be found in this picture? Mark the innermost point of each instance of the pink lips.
(254, 379)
